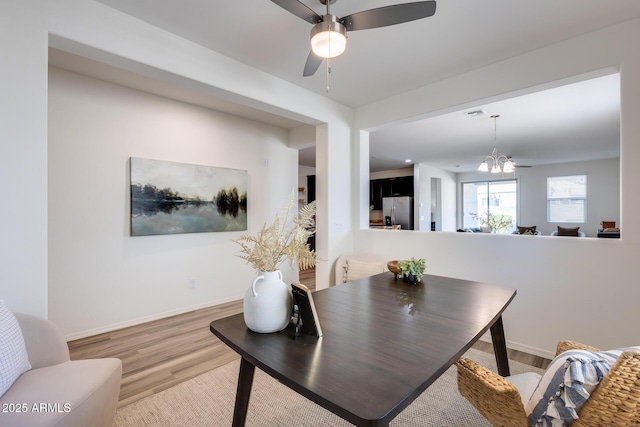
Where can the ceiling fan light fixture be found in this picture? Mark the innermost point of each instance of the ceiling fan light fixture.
(328, 38)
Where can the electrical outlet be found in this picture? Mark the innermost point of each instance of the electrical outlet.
(192, 283)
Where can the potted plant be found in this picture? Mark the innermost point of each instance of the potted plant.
(267, 303)
(412, 270)
(498, 223)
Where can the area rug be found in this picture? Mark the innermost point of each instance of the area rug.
(208, 400)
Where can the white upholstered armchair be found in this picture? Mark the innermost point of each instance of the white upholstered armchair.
(57, 391)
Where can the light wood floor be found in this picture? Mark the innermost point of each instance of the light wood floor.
(160, 354)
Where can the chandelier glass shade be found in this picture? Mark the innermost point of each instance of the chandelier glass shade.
(328, 38)
(497, 163)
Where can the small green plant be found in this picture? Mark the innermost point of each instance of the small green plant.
(412, 267)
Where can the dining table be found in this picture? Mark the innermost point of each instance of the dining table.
(384, 342)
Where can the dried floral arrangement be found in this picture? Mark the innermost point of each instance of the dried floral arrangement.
(285, 238)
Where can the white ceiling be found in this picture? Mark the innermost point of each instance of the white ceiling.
(461, 36)
(569, 123)
(378, 63)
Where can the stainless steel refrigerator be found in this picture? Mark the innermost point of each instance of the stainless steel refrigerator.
(398, 210)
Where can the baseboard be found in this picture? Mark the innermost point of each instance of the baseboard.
(145, 319)
(523, 347)
(531, 350)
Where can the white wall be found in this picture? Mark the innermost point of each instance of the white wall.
(582, 289)
(603, 193)
(550, 275)
(23, 157)
(302, 136)
(392, 173)
(91, 29)
(447, 193)
(94, 263)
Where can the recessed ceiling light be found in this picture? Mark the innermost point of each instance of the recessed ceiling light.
(408, 161)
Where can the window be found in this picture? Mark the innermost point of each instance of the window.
(567, 198)
(490, 204)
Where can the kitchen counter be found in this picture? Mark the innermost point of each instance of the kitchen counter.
(385, 227)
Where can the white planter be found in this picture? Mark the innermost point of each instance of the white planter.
(267, 303)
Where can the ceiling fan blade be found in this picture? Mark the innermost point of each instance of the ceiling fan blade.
(389, 15)
(312, 64)
(300, 10)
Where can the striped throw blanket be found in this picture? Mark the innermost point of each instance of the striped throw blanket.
(567, 384)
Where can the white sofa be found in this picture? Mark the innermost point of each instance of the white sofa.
(57, 391)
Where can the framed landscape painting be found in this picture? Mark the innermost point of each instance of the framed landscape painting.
(174, 198)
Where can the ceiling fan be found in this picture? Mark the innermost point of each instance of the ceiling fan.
(329, 32)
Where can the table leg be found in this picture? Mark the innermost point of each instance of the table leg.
(500, 347)
(245, 380)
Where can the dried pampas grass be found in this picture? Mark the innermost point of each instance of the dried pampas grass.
(285, 238)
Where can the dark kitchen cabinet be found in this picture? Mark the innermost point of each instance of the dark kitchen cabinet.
(388, 187)
(311, 196)
(402, 186)
(311, 188)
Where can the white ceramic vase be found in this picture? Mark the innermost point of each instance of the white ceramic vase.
(267, 303)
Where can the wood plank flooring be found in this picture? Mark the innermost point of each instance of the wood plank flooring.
(160, 354)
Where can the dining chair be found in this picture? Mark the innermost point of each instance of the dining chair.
(502, 400)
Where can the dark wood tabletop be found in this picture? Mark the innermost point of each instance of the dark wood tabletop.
(384, 343)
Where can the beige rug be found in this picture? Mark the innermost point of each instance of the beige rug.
(208, 400)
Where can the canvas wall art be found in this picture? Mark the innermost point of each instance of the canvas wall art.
(174, 198)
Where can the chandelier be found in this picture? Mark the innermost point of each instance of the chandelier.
(499, 163)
